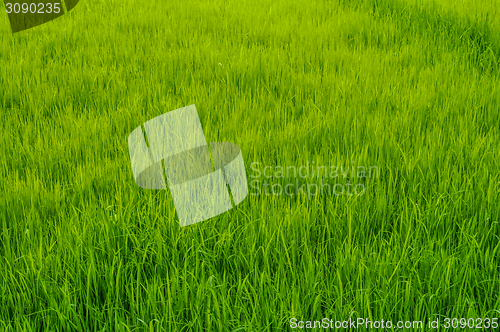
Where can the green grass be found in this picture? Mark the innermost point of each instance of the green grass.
(410, 87)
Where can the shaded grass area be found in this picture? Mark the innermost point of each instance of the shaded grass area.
(412, 90)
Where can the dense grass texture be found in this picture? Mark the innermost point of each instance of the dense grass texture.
(411, 87)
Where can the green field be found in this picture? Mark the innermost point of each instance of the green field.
(409, 87)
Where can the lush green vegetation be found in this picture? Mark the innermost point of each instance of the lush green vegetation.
(409, 87)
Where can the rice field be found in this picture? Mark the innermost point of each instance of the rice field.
(408, 90)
